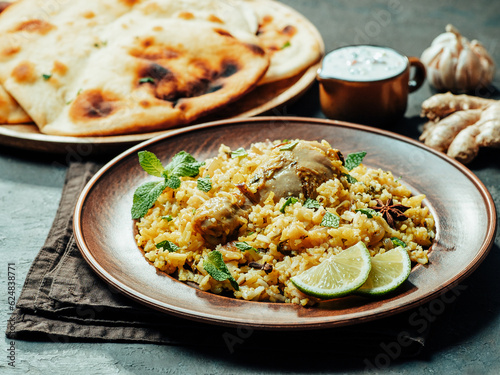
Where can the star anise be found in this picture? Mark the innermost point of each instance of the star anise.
(391, 212)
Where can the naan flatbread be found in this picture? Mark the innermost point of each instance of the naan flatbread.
(122, 70)
(10, 111)
(287, 37)
(106, 67)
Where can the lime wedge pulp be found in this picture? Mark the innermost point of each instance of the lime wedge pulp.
(338, 275)
(389, 270)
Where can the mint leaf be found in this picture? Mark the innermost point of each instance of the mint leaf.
(183, 165)
(147, 79)
(289, 146)
(145, 197)
(330, 220)
(397, 242)
(204, 184)
(288, 202)
(167, 245)
(354, 159)
(311, 203)
(350, 179)
(369, 212)
(215, 266)
(239, 153)
(173, 182)
(243, 246)
(150, 163)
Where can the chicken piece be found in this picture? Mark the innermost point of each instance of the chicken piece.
(291, 173)
(286, 173)
(221, 216)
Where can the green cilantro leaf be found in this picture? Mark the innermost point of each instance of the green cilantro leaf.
(243, 246)
(145, 197)
(354, 159)
(350, 179)
(215, 266)
(289, 201)
(150, 163)
(146, 80)
(239, 153)
(397, 242)
(167, 245)
(289, 146)
(46, 76)
(369, 212)
(204, 184)
(173, 182)
(312, 203)
(167, 217)
(183, 164)
(330, 220)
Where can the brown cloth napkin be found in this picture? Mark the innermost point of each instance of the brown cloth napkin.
(63, 300)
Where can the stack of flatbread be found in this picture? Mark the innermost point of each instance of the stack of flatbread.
(108, 67)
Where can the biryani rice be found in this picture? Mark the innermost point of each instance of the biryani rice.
(308, 243)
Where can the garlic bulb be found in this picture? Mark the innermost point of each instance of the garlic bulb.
(455, 64)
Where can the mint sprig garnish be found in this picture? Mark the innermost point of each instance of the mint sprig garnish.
(204, 184)
(243, 246)
(215, 266)
(312, 203)
(167, 245)
(145, 197)
(150, 163)
(182, 165)
(369, 212)
(330, 220)
(354, 159)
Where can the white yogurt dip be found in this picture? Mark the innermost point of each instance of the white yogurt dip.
(362, 63)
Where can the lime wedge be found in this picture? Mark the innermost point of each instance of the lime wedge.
(336, 276)
(389, 270)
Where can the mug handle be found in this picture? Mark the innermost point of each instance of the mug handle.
(419, 75)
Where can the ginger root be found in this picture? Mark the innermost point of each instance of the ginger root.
(461, 124)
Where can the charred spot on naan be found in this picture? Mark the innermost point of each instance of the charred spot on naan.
(4, 5)
(24, 72)
(10, 50)
(93, 104)
(147, 49)
(34, 26)
(214, 18)
(130, 3)
(274, 39)
(204, 78)
(59, 68)
(186, 15)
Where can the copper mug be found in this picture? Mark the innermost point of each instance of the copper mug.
(379, 100)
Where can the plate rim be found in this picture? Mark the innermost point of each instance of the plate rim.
(472, 265)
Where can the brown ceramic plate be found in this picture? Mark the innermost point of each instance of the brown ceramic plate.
(104, 229)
